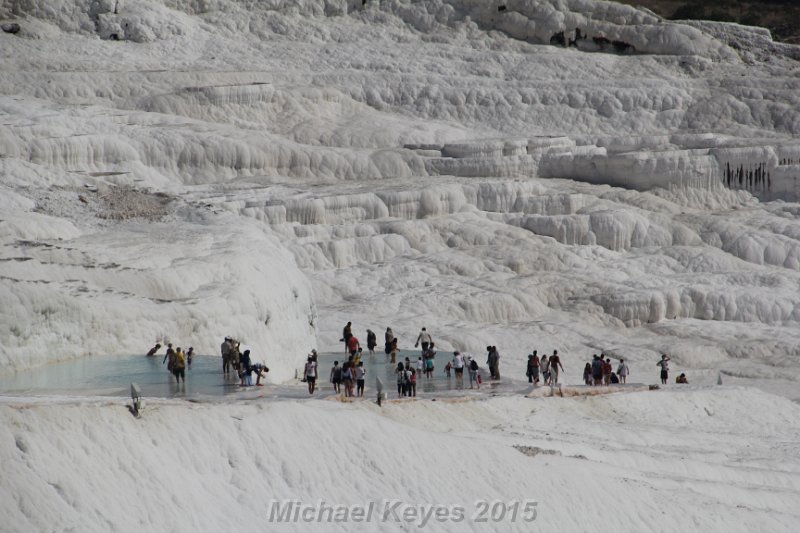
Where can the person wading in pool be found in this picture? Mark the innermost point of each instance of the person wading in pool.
(154, 350)
(310, 374)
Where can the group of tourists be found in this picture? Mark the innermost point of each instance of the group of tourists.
(457, 366)
(547, 368)
(347, 376)
(406, 378)
(600, 371)
(176, 359)
(234, 361)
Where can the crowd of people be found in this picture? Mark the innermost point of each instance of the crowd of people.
(348, 378)
(545, 369)
(239, 363)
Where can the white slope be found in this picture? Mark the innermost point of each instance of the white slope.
(272, 170)
(659, 461)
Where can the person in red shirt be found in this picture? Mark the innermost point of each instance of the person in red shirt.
(353, 345)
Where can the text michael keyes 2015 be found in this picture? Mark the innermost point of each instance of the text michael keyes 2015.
(398, 511)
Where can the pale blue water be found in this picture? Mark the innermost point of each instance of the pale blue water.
(112, 376)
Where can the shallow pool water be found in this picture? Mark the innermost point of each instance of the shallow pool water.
(112, 376)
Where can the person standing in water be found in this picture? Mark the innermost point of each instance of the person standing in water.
(400, 374)
(169, 356)
(336, 376)
(361, 373)
(493, 361)
(388, 337)
(458, 365)
(429, 361)
(353, 345)
(372, 341)
(244, 369)
(347, 332)
(189, 357)
(310, 374)
(225, 349)
(664, 364)
(425, 339)
(473, 373)
(179, 365)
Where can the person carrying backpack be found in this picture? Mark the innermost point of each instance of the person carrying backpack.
(473, 372)
(179, 365)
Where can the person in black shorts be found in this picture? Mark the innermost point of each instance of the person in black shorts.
(664, 364)
(311, 374)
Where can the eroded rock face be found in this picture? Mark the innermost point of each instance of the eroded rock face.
(504, 189)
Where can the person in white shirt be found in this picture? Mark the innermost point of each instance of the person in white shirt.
(310, 374)
(425, 339)
(623, 370)
(361, 372)
(458, 365)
